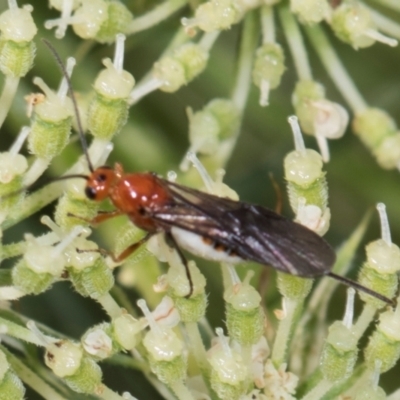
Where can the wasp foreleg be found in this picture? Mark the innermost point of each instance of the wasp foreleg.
(100, 217)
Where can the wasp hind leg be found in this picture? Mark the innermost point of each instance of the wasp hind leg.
(172, 243)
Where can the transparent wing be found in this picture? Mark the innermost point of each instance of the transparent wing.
(253, 232)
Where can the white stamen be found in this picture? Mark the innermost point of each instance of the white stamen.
(380, 37)
(323, 148)
(208, 182)
(385, 228)
(67, 240)
(119, 52)
(12, 4)
(144, 89)
(63, 89)
(224, 342)
(35, 330)
(16, 147)
(171, 176)
(149, 316)
(264, 93)
(349, 312)
(297, 136)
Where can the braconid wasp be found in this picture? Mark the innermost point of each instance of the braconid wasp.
(215, 228)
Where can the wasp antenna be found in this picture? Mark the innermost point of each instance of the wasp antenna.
(357, 286)
(74, 102)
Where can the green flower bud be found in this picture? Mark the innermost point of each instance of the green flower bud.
(176, 70)
(351, 23)
(97, 341)
(66, 360)
(127, 235)
(214, 15)
(229, 373)
(52, 121)
(339, 354)
(10, 202)
(303, 171)
(311, 11)
(118, 21)
(246, 327)
(269, 66)
(293, 287)
(126, 331)
(193, 58)
(388, 153)
(305, 93)
(87, 379)
(17, 50)
(29, 281)
(373, 126)
(165, 355)
(384, 344)
(171, 73)
(108, 110)
(69, 206)
(379, 273)
(179, 284)
(11, 387)
(101, 20)
(94, 281)
(190, 309)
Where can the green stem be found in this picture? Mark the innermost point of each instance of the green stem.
(364, 320)
(19, 332)
(385, 24)
(108, 394)
(318, 392)
(13, 249)
(393, 4)
(335, 68)
(9, 90)
(110, 305)
(181, 391)
(155, 16)
(199, 352)
(267, 24)
(245, 63)
(282, 338)
(296, 43)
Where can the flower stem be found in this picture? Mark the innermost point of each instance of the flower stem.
(267, 24)
(318, 392)
(110, 305)
(283, 333)
(335, 68)
(296, 44)
(393, 4)
(181, 391)
(19, 332)
(155, 16)
(9, 90)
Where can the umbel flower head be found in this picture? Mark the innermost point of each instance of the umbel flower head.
(199, 93)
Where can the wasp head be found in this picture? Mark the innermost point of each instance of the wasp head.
(100, 183)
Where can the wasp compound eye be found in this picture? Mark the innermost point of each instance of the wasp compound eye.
(90, 193)
(101, 177)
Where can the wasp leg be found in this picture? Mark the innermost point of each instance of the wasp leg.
(125, 254)
(172, 243)
(100, 217)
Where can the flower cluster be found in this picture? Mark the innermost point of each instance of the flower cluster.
(257, 349)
